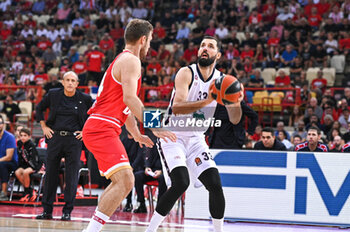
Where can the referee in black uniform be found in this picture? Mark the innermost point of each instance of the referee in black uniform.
(68, 113)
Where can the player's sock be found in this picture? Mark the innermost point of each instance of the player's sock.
(218, 224)
(155, 222)
(97, 221)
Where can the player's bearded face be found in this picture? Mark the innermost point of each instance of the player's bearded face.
(205, 59)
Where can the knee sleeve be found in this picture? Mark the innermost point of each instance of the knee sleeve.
(180, 181)
(212, 182)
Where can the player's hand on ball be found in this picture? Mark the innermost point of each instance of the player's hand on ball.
(144, 140)
(164, 134)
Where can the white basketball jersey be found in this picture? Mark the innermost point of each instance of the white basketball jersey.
(198, 122)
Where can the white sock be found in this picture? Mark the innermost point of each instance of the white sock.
(155, 222)
(218, 224)
(96, 222)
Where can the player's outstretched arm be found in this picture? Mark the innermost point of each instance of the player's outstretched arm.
(181, 105)
(234, 110)
(131, 126)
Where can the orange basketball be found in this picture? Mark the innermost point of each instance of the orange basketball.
(226, 90)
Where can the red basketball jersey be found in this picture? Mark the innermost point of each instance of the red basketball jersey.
(109, 105)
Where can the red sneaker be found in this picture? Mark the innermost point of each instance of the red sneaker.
(80, 191)
(34, 196)
(25, 198)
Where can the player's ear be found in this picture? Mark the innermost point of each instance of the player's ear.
(218, 56)
(143, 39)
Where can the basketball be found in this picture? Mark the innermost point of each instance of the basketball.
(226, 90)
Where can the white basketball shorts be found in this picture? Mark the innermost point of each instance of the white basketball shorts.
(191, 152)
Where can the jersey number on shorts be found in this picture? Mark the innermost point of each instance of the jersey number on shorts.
(207, 156)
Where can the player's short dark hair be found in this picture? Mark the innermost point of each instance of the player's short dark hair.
(218, 42)
(315, 128)
(25, 130)
(269, 130)
(135, 29)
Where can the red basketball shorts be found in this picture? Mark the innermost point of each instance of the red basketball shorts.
(102, 139)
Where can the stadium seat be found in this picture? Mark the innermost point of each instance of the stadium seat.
(26, 111)
(82, 49)
(329, 74)
(311, 74)
(257, 99)
(240, 36)
(149, 186)
(269, 75)
(338, 62)
(169, 47)
(277, 97)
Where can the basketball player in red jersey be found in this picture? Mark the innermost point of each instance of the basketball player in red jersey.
(117, 103)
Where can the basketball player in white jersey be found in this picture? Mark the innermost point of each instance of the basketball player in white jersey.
(190, 154)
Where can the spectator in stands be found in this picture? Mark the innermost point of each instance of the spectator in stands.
(296, 139)
(296, 68)
(344, 118)
(269, 141)
(280, 127)
(327, 125)
(18, 128)
(316, 109)
(95, 61)
(41, 78)
(247, 52)
(8, 157)
(320, 82)
(28, 163)
(210, 31)
(331, 45)
(80, 68)
(52, 83)
(282, 136)
(183, 32)
(10, 108)
(152, 171)
(273, 57)
(336, 145)
(344, 43)
(312, 143)
(221, 31)
(107, 47)
(140, 11)
(319, 56)
(314, 19)
(286, 14)
(257, 133)
(336, 14)
(282, 80)
(296, 116)
(288, 56)
(256, 81)
(260, 56)
(190, 53)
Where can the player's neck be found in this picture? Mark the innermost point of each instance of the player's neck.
(312, 147)
(132, 49)
(206, 71)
